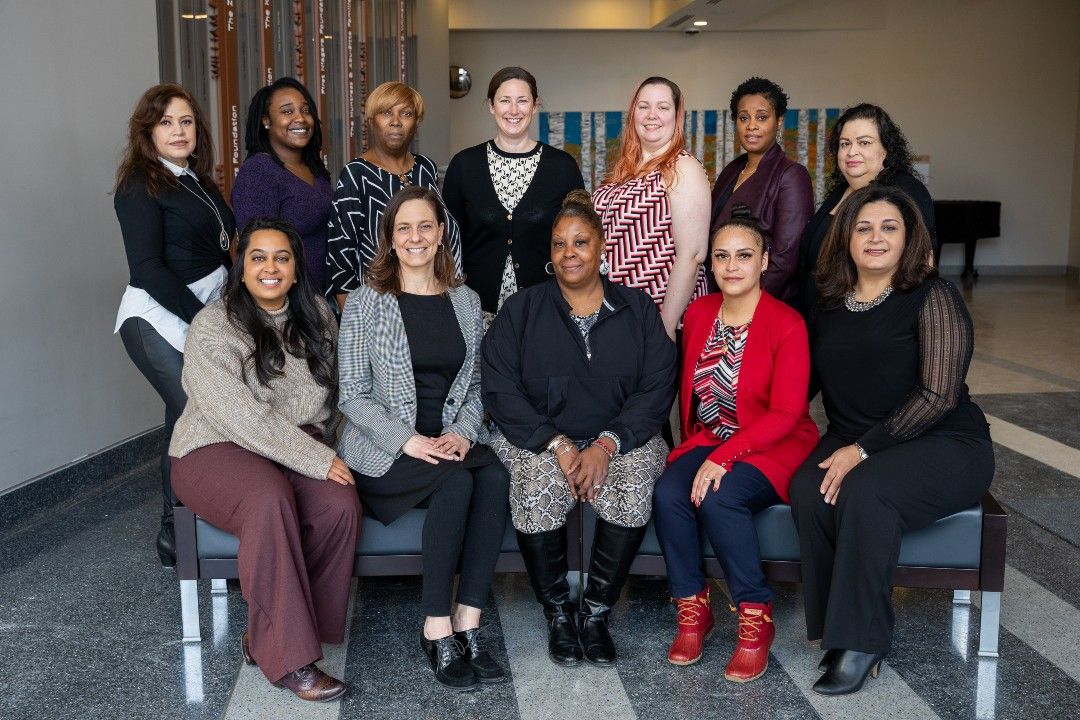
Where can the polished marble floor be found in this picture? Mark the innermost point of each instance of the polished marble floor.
(89, 624)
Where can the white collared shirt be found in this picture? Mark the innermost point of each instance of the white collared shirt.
(138, 303)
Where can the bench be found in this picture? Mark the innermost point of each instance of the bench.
(962, 552)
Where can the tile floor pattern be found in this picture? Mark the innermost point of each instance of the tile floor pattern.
(89, 624)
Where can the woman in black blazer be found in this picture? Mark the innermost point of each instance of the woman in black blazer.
(177, 229)
(775, 188)
(868, 148)
(505, 193)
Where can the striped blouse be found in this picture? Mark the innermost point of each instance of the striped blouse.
(716, 378)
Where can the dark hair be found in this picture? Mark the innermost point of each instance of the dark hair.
(578, 203)
(140, 155)
(760, 86)
(307, 332)
(511, 73)
(383, 274)
(257, 136)
(836, 273)
(898, 156)
(741, 217)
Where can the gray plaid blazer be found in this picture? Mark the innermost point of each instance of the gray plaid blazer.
(377, 390)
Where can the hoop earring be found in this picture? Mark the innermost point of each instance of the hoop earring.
(549, 268)
(605, 266)
(193, 156)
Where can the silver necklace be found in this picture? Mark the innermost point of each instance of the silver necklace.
(223, 238)
(855, 306)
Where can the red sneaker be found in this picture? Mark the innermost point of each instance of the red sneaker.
(756, 633)
(695, 625)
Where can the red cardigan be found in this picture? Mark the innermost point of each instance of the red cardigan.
(775, 432)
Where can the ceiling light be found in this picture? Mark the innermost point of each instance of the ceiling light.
(701, 23)
(193, 16)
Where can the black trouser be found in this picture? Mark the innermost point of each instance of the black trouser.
(161, 364)
(466, 519)
(849, 550)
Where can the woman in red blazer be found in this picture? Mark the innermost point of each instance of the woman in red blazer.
(746, 429)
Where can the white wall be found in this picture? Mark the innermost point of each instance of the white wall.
(988, 89)
(72, 72)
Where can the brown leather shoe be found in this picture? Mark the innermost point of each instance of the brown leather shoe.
(311, 683)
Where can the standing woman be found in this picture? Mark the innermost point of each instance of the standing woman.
(284, 176)
(655, 204)
(579, 374)
(505, 193)
(905, 446)
(775, 188)
(393, 112)
(410, 391)
(177, 229)
(745, 372)
(869, 149)
(250, 456)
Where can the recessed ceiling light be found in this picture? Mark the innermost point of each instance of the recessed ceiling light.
(701, 23)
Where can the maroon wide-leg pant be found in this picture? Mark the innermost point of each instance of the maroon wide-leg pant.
(297, 543)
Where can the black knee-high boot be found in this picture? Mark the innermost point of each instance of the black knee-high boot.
(613, 552)
(166, 539)
(545, 560)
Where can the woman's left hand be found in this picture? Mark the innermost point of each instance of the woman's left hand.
(453, 444)
(838, 465)
(708, 473)
(590, 469)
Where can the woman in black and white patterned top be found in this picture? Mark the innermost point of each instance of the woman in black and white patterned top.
(506, 192)
(393, 112)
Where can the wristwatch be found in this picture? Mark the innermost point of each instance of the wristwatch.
(862, 453)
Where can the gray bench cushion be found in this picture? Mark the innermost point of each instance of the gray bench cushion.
(952, 542)
(401, 537)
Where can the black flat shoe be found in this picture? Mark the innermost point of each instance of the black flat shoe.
(449, 665)
(483, 665)
(564, 642)
(848, 672)
(166, 546)
(596, 642)
(828, 659)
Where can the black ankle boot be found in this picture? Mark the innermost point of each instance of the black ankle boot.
(848, 672)
(545, 560)
(166, 539)
(614, 548)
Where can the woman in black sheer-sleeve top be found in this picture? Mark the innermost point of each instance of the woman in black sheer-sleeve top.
(905, 446)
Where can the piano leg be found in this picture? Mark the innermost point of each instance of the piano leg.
(970, 273)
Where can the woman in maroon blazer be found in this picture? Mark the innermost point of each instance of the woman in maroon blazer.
(776, 189)
(746, 429)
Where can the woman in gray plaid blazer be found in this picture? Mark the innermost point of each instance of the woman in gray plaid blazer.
(409, 387)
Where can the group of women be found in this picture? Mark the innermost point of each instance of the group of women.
(507, 347)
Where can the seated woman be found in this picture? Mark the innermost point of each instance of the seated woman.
(776, 188)
(905, 446)
(579, 375)
(410, 392)
(745, 371)
(249, 455)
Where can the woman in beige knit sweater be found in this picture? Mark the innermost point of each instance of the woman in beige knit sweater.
(249, 455)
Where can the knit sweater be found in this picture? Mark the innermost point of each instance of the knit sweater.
(227, 404)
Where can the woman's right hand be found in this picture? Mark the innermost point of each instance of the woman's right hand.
(339, 472)
(424, 448)
(567, 455)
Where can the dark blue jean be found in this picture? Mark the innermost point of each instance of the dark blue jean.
(727, 516)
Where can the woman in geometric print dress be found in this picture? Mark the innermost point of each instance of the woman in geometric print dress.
(745, 372)
(655, 204)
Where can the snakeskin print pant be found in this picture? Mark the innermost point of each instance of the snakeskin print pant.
(540, 498)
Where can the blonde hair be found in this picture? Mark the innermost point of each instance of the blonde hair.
(390, 94)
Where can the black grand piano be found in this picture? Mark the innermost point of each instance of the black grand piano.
(966, 221)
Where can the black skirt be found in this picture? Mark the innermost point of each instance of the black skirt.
(410, 482)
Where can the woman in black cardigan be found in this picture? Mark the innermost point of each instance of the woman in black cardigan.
(868, 148)
(505, 193)
(578, 375)
(177, 229)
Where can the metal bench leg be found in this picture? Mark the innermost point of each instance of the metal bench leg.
(189, 610)
(960, 597)
(989, 624)
(219, 586)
